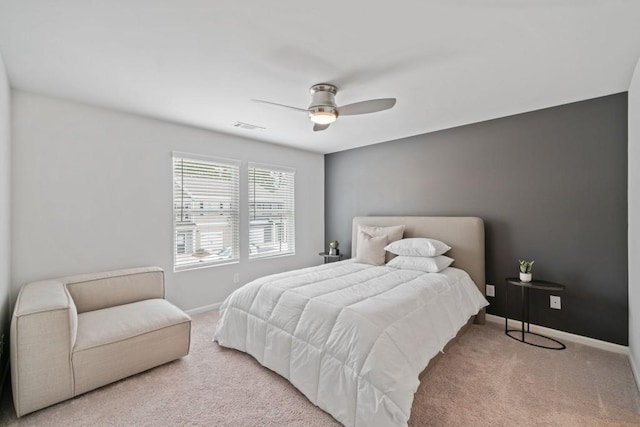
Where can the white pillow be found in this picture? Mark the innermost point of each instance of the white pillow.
(428, 264)
(393, 233)
(371, 249)
(418, 246)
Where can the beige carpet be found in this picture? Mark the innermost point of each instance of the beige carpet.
(486, 379)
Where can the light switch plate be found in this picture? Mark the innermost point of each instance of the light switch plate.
(490, 290)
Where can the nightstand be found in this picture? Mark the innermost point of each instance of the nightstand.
(330, 258)
(525, 288)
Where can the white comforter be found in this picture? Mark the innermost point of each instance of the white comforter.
(353, 338)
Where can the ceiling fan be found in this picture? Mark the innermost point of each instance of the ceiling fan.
(323, 109)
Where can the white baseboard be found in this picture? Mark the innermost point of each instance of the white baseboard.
(204, 308)
(591, 342)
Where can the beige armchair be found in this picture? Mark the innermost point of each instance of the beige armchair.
(75, 334)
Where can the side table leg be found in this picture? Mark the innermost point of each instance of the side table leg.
(528, 309)
(522, 301)
(506, 308)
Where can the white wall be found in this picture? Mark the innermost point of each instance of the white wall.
(5, 210)
(634, 221)
(92, 191)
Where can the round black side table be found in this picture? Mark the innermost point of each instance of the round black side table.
(525, 287)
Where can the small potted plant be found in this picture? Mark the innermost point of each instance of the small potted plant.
(525, 270)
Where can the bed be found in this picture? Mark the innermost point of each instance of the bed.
(353, 337)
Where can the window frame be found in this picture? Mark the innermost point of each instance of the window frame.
(292, 228)
(235, 230)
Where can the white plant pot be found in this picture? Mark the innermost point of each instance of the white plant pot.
(525, 277)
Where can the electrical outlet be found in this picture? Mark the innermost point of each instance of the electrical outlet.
(554, 302)
(490, 290)
(236, 277)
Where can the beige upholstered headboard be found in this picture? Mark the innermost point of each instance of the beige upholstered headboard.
(465, 235)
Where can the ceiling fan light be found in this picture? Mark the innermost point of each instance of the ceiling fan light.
(323, 115)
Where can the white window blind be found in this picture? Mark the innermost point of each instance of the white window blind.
(206, 214)
(271, 211)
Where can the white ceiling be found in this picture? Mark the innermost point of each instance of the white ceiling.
(199, 62)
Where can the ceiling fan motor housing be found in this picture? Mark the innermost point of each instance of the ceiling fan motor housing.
(323, 100)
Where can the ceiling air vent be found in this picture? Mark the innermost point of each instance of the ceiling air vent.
(247, 126)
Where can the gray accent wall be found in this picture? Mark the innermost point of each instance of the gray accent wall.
(551, 186)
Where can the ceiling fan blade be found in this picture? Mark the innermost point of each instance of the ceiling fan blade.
(317, 127)
(366, 107)
(280, 105)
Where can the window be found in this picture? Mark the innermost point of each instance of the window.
(205, 206)
(271, 211)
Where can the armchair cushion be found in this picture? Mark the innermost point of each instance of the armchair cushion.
(109, 325)
(116, 342)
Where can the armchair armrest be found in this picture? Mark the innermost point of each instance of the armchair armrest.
(43, 333)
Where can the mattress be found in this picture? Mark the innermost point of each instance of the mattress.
(353, 338)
